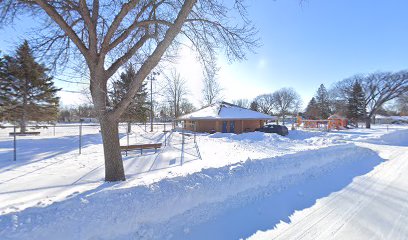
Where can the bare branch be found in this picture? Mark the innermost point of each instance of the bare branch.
(52, 13)
(154, 58)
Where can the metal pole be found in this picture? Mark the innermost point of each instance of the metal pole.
(15, 144)
(80, 137)
(182, 147)
(195, 130)
(151, 104)
(54, 130)
(127, 134)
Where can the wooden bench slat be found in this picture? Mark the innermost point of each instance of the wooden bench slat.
(24, 134)
(142, 146)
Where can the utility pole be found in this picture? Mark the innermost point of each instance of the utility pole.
(151, 78)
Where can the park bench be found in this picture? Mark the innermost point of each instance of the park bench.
(154, 146)
(24, 134)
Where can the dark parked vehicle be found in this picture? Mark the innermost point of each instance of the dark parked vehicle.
(273, 128)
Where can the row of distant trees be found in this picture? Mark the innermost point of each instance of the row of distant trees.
(283, 102)
(359, 98)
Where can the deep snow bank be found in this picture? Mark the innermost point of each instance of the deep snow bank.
(157, 211)
(396, 138)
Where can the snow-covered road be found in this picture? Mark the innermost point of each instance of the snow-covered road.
(373, 206)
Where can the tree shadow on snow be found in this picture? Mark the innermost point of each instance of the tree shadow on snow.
(266, 208)
(41, 149)
(397, 138)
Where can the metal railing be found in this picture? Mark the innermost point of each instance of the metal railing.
(61, 135)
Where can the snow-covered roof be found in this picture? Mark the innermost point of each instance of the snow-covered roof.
(336, 116)
(404, 118)
(224, 110)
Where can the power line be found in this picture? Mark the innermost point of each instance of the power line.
(62, 80)
(71, 91)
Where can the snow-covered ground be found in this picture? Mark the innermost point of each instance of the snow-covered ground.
(226, 186)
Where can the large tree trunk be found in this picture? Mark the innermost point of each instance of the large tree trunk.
(368, 122)
(129, 127)
(113, 159)
(23, 127)
(23, 119)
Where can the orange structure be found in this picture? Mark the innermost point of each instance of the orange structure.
(333, 122)
(337, 122)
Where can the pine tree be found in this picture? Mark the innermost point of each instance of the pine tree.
(3, 75)
(254, 106)
(323, 102)
(312, 111)
(356, 109)
(138, 109)
(27, 92)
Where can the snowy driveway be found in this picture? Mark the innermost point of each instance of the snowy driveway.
(373, 206)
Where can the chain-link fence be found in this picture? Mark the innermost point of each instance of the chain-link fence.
(47, 140)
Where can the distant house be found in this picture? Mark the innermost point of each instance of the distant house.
(381, 119)
(89, 120)
(224, 117)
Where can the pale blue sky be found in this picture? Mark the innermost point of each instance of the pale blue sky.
(303, 46)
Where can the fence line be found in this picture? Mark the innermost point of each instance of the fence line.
(50, 131)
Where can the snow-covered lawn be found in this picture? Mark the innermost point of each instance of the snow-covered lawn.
(226, 187)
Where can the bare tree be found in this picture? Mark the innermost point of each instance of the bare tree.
(242, 103)
(107, 34)
(264, 103)
(286, 101)
(186, 107)
(211, 90)
(402, 104)
(175, 92)
(379, 88)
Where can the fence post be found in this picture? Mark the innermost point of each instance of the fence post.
(165, 138)
(54, 129)
(80, 137)
(195, 130)
(127, 135)
(164, 126)
(15, 144)
(182, 147)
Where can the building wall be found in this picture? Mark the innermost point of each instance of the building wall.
(206, 125)
(251, 125)
(209, 125)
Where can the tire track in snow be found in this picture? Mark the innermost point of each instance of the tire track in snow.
(312, 232)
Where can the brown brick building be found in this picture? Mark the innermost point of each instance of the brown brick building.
(224, 117)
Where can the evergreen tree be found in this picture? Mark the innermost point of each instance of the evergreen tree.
(323, 102)
(138, 109)
(27, 93)
(312, 111)
(3, 75)
(356, 109)
(253, 106)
